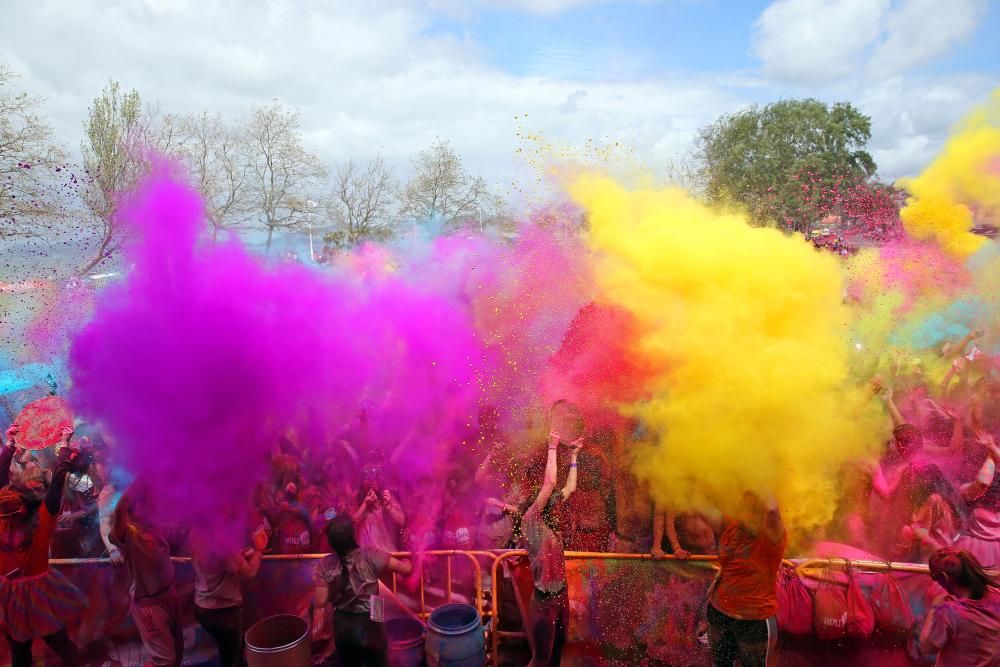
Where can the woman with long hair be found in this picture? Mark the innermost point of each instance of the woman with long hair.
(348, 579)
(981, 533)
(549, 608)
(36, 601)
(940, 514)
(963, 627)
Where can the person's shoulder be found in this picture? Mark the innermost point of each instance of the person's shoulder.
(329, 567)
(951, 607)
(992, 600)
(374, 554)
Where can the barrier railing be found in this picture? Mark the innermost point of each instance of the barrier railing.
(497, 634)
(422, 612)
(803, 566)
(810, 567)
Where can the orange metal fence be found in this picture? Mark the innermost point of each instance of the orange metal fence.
(813, 567)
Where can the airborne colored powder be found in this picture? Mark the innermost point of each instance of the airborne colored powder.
(204, 357)
(746, 332)
(961, 184)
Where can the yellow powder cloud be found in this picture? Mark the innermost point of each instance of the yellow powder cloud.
(749, 331)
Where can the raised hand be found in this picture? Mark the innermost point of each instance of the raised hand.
(12, 435)
(259, 540)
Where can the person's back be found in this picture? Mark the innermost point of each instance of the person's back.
(749, 564)
(147, 557)
(363, 566)
(963, 628)
(217, 591)
(967, 631)
(348, 579)
(155, 606)
(743, 600)
(216, 581)
(545, 552)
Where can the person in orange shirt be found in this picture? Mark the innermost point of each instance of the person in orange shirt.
(743, 599)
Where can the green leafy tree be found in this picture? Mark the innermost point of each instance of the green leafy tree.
(757, 158)
(113, 156)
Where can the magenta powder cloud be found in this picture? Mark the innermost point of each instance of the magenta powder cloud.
(198, 362)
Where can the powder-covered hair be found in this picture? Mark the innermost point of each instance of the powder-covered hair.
(951, 566)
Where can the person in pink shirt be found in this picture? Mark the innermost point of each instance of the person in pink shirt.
(963, 627)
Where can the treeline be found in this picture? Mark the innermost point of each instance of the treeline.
(254, 172)
(800, 165)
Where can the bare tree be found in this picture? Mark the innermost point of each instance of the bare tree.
(114, 156)
(281, 172)
(29, 158)
(363, 200)
(494, 217)
(440, 189)
(216, 154)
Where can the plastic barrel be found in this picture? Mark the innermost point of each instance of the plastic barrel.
(406, 642)
(279, 641)
(455, 637)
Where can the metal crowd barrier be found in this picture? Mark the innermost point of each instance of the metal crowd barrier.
(810, 567)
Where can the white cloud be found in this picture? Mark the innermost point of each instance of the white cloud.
(815, 41)
(920, 30)
(371, 81)
(912, 117)
(364, 81)
(538, 7)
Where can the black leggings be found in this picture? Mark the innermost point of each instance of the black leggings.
(731, 639)
(359, 640)
(226, 627)
(59, 642)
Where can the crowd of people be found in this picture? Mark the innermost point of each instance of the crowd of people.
(935, 496)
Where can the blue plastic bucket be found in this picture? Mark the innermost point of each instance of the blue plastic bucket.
(455, 637)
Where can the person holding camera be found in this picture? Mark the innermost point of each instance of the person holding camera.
(36, 601)
(379, 517)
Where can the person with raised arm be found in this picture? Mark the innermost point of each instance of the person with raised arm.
(743, 599)
(981, 532)
(35, 600)
(218, 595)
(379, 515)
(348, 579)
(549, 611)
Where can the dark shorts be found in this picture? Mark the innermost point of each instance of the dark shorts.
(732, 639)
(549, 618)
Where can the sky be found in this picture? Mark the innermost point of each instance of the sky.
(392, 76)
